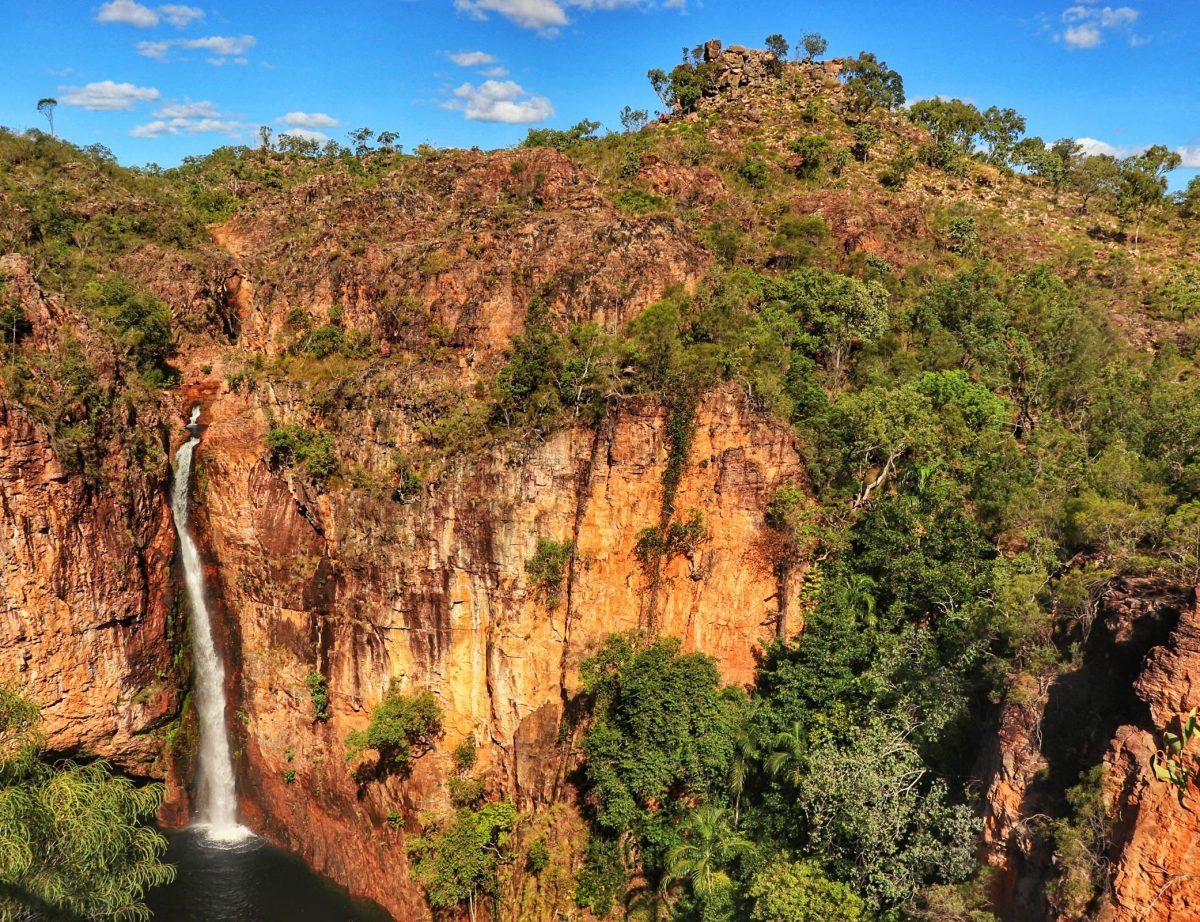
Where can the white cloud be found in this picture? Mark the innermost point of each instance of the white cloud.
(1086, 23)
(1082, 36)
(471, 58)
(224, 48)
(201, 109)
(307, 120)
(500, 101)
(180, 16)
(495, 71)
(107, 96)
(180, 126)
(546, 16)
(1190, 155)
(549, 16)
(128, 12)
(307, 134)
(156, 50)
(135, 14)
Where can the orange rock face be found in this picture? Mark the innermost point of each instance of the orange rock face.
(1157, 872)
(86, 590)
(435, 595)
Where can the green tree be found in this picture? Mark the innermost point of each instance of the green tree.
(457, 859)
(402, 727)
(778, 46)
(709, 846)
(950, 121)
(798, 891)
(1000, 131)
(871, 83)
(633, 120)
(814, 45)
(75, 840)
(1143, 183)
(140, 322)
(46, 106)
(1098, 174)
(662, 728)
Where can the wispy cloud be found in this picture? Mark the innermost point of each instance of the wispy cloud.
(190, 117)
(128, 12)
(179, 15)
(500, 101)
(1086, 24)
(1190, 155)
(107, 96)
(223, 48)
(200, 109)
(183, 126)
(471, 58)
(131, 13)
(549, 16)
(307, 120)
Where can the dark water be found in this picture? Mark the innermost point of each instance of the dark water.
(251, 881)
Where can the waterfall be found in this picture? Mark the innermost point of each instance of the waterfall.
(217, 800)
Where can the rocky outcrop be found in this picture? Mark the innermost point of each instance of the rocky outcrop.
(1139, 676)
(1156, 874)
(86, 595)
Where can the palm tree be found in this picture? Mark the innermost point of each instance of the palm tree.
(789, 753)
(745, 754)
(860, 593)
(710, 845)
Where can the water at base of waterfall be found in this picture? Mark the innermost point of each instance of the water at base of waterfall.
(251, 881)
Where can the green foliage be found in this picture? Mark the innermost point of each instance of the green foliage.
(866, 137)
(140, 322)
(753, 173)
(75, 840)
(814, 45)
(787, 891)
(950, 121)
(292, 444)
(537, 857)
(1082, 841)
(318, 692)
(812, 153)
(402, 727)
(871, 83)
(602, 878)
(1175, 763)
(457, 859)
(547, 568)
(577, 134)
(662, 727)
(464, 755)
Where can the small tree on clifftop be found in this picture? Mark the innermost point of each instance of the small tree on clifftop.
(814, 45)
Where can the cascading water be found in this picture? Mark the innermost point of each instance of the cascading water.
(217, 800)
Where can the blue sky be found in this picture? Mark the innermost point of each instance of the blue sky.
(155, 82)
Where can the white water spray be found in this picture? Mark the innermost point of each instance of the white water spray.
(217, 801)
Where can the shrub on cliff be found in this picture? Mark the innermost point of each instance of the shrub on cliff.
(402, 727)
(300, 445)
(547, 568)
(75, 840)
